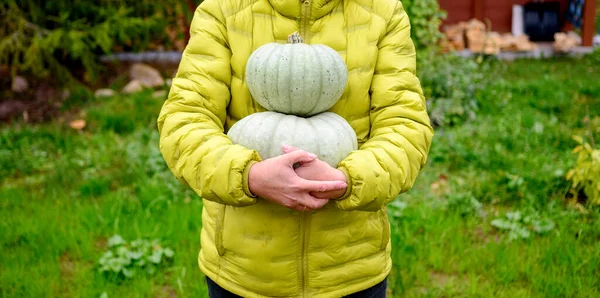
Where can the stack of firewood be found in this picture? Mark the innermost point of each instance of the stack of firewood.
(521, 43)
(478, 38)
(455, 36)
(565, 42)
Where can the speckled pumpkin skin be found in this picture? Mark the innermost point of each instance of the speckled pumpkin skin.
(326, 135)
(296, 79)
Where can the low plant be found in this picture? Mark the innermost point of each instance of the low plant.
(585, 175)
(124, 259)
(464, 204)
(519, 225)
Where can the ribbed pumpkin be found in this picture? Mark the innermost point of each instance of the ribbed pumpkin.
(326, 135)
(296, 78)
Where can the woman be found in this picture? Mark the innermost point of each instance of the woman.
(315, 231)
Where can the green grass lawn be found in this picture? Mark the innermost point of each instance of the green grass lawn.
(64, 194)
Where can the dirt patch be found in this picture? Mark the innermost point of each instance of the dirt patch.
(440, 187)
(101, 244)
(389, 292)
(480, 236)
(166, 291)
(70, 266)
(38, 104)
(72, 269)
(67, 266)
(11, 108)
(441, 279)
(46, 99)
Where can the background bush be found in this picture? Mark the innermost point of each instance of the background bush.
(426, 17)
(61, 42)
(451, 85)
(64, 39)
(56, 37)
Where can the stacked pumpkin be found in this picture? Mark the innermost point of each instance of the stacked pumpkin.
(297, 83)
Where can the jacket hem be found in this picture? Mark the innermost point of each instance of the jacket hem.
(340, 291)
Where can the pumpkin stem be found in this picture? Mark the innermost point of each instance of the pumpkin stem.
(295, 38)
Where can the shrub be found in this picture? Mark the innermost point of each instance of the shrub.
(426, 16)
(451, 84)
(63, 39)
(585, 175)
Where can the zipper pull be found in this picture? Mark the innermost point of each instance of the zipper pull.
(306, 2)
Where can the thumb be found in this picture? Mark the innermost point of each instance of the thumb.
(287, 148)
(298, 156)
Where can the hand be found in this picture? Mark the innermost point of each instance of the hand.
(319, 170)
(275, 180)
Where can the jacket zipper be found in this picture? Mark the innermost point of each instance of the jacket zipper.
(305, 19)
(304, 217)
(304, 230)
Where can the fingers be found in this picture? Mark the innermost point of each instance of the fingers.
(298, 156)
(287, 148)
(318, 203)
(321, 195)
(322, 186)
(309, 203)
(304, 202)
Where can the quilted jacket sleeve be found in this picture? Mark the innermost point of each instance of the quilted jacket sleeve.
(389, 161)
(191, 121)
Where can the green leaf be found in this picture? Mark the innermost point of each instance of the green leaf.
(168, 252)
(115, 265)
(523, 232)
(543, 225)
(123, 251)
(502, 224)
(106, 256)
(514, 216)
(137, 243)
(115, 240)
(136, 255)
(128, 273)
(155, 258)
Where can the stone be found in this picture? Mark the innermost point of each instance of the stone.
(159, 94)
(105, 92)
(148, 76)
(133, 87)
(78, 124)
(19, 84)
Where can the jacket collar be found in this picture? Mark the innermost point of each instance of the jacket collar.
(293, 8)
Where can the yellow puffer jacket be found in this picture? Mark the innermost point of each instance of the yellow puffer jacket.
(255, 248)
